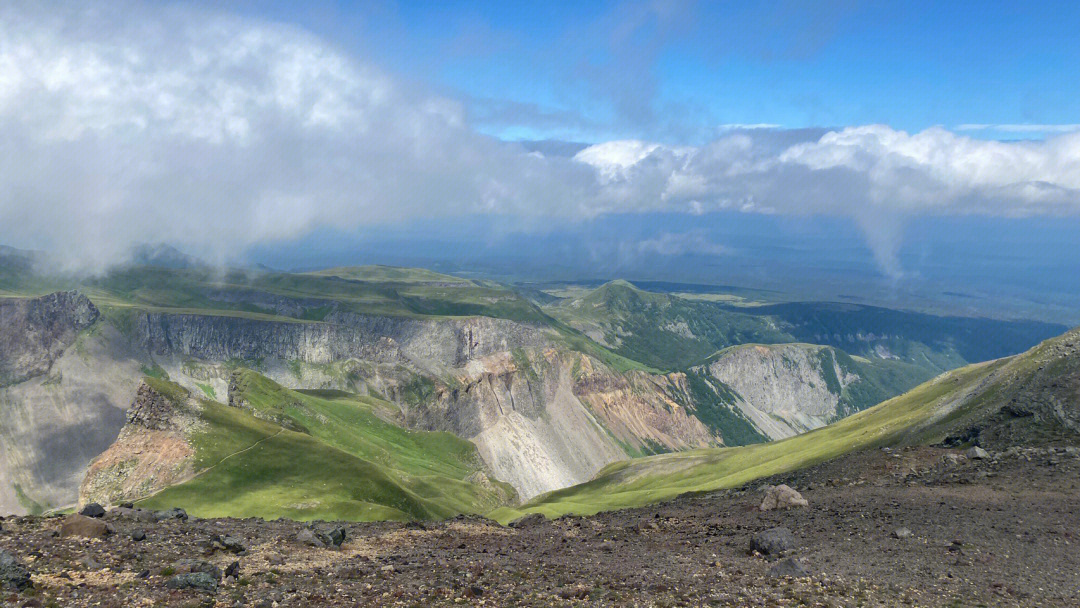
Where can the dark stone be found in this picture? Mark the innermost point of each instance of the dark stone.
(174, 513)
(308, 537)
(227, 543)
(93, 510)
(233, 569)
(337, 536)
(138, 536)
(774, 541)
(200, 581)
(13, 574)
(789, 567)
(531, 519)
(127, 505)
(198, 565)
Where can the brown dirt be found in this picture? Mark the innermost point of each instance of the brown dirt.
(1000, 532)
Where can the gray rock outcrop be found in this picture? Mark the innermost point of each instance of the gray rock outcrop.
(34, 332)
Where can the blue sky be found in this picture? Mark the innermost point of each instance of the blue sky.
(891, 147)
(677, 71)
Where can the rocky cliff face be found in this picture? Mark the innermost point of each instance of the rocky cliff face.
(34, 332)
(52, 425)
(151, 452)
(783, 389)
(646, 411)
(435, 345)
(541, 416)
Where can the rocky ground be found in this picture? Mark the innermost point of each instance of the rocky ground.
(913, 527)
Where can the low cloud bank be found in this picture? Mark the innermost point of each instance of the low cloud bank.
(215, 133)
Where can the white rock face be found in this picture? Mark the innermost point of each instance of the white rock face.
(782, 387)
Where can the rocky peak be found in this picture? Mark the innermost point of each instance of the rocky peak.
(150, 409)
(34, 332)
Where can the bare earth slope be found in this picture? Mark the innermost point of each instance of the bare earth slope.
(995, 532)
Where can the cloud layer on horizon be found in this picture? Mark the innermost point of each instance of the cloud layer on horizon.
(216, 132)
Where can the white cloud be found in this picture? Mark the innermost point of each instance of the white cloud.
(215, 133)
(1020, 128)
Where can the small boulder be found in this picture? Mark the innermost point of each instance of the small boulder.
(138, 536)
(782, 497)
(93, 510)
(901, 533)
(81, 525)
(199, 581)
(13, 574)
(173, 513)
(976, 453)
(789, 567)
(526, 521)
(337, 535)
(233, 569)
(227, 543)
(308, 537)
(190, 566)
(772, 542)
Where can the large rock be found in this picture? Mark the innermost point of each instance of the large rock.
(976, 453)
(774, 541)
(199, 581)
(87, 527)
(174, 513)
(13, 575)
(93, 510)
(525, 521)
(322, 537)
(782, 497)
(310, 538)
(191, 566)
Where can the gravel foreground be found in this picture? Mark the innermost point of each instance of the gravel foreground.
(912, 527)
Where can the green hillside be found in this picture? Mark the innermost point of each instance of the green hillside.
(1028, 397)
(323, 456)
(670, 332)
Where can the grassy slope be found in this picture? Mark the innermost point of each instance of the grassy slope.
(1040, 382)
(924, 414)
(349, 464)
(652, 328)
(639, 325)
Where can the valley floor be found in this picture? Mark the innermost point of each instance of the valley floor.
(996, 532)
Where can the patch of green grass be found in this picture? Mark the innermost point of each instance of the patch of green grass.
(418, 390)
(207, 390)
(32, 506)
(154, 371)
(347, 464)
